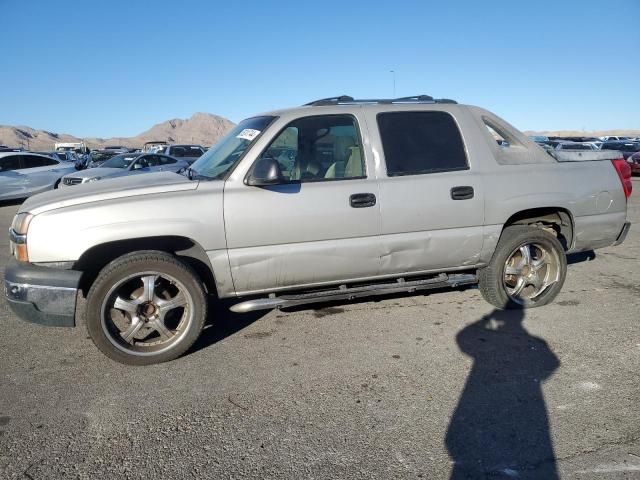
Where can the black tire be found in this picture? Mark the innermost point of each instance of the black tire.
(493, 282)
(148, 305)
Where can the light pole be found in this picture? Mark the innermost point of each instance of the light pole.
(393, 73)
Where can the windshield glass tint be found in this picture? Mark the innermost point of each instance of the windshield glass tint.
(221, 157)
(119, 161)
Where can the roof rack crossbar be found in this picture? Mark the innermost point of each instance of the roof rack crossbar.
(347, 100)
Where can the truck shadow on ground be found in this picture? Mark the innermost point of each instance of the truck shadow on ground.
(11, 203)
(222, 323)
(500, 427)
(581, 257)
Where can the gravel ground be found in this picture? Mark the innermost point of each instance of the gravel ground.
(410, 386)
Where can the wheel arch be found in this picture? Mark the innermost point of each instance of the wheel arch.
(94, 259)
(557, 220)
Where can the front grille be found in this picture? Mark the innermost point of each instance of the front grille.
(71, 181)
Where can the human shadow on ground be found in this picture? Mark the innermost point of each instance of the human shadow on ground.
(500, 428)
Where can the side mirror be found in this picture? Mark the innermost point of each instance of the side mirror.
(266, 171)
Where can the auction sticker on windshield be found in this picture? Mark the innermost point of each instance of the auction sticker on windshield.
(248, 134)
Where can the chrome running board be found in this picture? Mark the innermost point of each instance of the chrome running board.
(348, 293)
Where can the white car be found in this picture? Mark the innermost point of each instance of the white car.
(23, 174)
(613, 138)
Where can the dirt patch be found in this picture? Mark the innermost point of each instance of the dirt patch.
(569, 303)
(259, 334)
(327, 311)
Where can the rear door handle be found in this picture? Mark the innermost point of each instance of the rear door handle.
(362, 200)
(462, 193)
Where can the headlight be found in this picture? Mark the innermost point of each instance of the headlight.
(21, 223)
(92, 179)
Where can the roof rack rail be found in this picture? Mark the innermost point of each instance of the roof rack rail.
(415, 98)
(331, 100)
(347, 100)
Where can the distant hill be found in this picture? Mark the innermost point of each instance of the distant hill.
(201, 128)
(580, 133)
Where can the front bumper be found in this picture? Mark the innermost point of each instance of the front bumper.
(40, 294)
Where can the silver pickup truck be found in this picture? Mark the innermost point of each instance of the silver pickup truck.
(337, 199)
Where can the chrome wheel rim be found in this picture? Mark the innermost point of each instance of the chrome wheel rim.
(147, 313)
(530, 271)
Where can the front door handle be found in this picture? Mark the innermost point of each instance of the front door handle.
(362, 200)
(462, 193)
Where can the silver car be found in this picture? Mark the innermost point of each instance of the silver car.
(126, 164)
(24, 174)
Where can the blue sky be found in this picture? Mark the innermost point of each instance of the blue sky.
(106, 68)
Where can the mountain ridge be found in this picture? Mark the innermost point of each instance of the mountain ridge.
(201, 128)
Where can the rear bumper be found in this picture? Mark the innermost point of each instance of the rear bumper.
(623, 233)
(42, 295)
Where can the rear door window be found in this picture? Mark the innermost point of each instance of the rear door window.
(417, 143)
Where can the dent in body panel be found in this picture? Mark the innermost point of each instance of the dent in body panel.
(290, 265)
(448, 248)
(219, 260)
(490, 237)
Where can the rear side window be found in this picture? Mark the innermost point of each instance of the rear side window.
(33, 161)
(416, 143)
(11, 162)
(166, 160)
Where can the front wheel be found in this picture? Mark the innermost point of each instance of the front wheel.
(527, 270)
(145, 307)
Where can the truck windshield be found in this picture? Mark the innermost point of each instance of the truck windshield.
(225, 154)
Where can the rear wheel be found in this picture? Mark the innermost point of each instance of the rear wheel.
(527, 270)
(145, 307)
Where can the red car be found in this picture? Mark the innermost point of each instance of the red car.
(634, 163)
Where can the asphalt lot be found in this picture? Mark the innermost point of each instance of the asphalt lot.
(413, 386)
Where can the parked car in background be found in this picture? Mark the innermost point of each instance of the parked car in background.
(625, 147)
(118, 148)
(613, 138)
(540, 139)
(77, 147)
(65, 156)
(97, 158)
(575, 146)
(125, 164)
(634, 162)
(190, 153)
(154, 146)
(23, 174)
